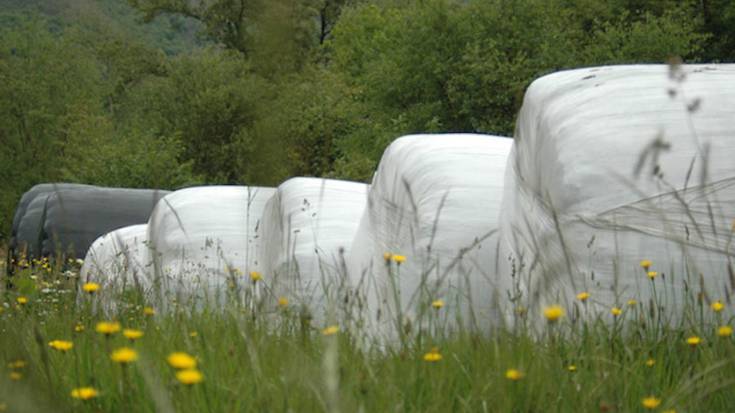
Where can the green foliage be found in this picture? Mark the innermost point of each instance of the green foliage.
(207, 99)
(225, 21)
(719, 19)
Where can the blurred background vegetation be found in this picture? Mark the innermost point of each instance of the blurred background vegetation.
(169, 93)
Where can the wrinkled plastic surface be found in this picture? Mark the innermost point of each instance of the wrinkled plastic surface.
(202, 236)
(308, 229)
(434, 199)
(29, 234)
(31, 194)
(75, 218)
(118, 260)
(26, 231)
(614, 165)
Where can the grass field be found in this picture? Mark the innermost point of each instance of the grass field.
(253, 361)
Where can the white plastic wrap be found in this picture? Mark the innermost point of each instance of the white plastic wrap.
(118, 260)
(202, 237)
(308, 226)
(434, 199)
(614, 165)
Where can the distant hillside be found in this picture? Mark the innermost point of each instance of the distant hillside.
(170, 33)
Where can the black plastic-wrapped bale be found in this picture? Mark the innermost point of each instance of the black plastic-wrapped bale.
(30, 195)
(27, 240)
(75, 218)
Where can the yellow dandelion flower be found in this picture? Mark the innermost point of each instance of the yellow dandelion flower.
(652, 274)
(107, 327)
(553, 313)
(17, 364)
(513, 374)
(724, 331)
(124, 355)
(651, 402)
(387, 256)
(717, 306)
(583, 296)
(22, 300)
(694, 341)
(632, 302)
(15, 376)
(616, 311)
(79, 328)
(282, 302)
(149, 311)
(91, 287)
(193, 334)
(650, 362)
(3, 407)
(84, 393)
(572, 368)
(132, 334)
(61, 345)
(399, 259)
(189, 376)
(646, 264)
(437, 304)
(255, 276)
(433, 355)
(181, 360)
(331, 330)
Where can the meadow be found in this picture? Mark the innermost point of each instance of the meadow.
(58, 357)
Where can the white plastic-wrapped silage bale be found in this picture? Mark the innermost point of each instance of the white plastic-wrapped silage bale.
(615, 165)
(201, 237)
(435, 199)
(308, 227)
(118, 260)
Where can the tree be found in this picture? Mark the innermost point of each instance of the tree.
(228, 22)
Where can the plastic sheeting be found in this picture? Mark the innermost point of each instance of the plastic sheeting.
(308, 228)
(25, 236)
(75, 218)
(202, 237)
(118, 260)
(31, 194)
(614, 165)
(434, 199)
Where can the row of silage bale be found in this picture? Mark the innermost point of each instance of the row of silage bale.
(66, 218)
(27, 227)
(308, 227)
(616, 165)
(434, 201)
(74, 219)
(196, 245)
(611, 166)
(201, 242)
